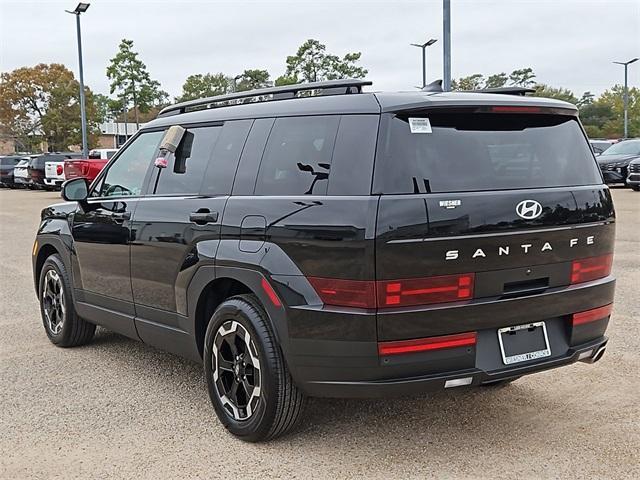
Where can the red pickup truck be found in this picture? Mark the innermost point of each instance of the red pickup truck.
(88, 168)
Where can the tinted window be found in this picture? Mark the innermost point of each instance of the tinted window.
(224, 161)
(352, 163)
(185, 170)
(245, 180)
(126, 175)
(628, 147)
(467, 152)
(297, 159)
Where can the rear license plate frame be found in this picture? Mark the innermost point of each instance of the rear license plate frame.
(524, 356)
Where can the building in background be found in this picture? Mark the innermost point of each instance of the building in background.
(115, 134)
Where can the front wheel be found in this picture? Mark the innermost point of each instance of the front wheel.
(248, 381)
(61, 322)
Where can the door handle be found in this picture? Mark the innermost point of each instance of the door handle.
(203, 216)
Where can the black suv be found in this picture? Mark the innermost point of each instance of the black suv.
(320, 240)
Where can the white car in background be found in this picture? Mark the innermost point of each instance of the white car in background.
(21, 175)
(54, 174)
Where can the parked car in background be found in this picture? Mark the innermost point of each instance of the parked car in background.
(614, 161)
(21, 176)
(633, 180)
(88, 168)
(37, 166)
(600, 145)
(7, 166)
(54, 174)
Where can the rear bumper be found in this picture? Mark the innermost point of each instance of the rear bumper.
(438, 381)
(53, 182)
(349, 368)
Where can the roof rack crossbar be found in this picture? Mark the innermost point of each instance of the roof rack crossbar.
(329, 87)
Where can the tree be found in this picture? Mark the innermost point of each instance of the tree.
(472, 82)
(205, 85)
(522, 78)
(129, 76)
(614, 99)
(103, 110)
(311, 63)
(496, 81)
(252, 79)
(542, 90)
(42, 102)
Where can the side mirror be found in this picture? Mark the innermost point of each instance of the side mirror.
(75, 190)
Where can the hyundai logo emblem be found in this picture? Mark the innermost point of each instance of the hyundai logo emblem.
(529, 209)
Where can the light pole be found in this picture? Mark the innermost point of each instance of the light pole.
(424, 46)
(626, 95)
(81, 8)
(446, 44)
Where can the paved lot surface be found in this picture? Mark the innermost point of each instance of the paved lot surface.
(117, 408)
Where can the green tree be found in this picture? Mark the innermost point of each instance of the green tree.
(472, 82)
(614, 98)
(251, 80)
(283, 80)
(129, 77)
(542, 90)
(205, 85)
(496, 80)
(42, 102)
(523, 77)
(312, 63)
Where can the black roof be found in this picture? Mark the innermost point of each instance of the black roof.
(346, 102)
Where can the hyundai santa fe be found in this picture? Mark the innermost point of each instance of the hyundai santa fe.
(322, 240)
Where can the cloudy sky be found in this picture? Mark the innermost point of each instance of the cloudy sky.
(568, 43)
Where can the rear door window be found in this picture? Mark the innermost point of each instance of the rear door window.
(297, 158)
(476, 151)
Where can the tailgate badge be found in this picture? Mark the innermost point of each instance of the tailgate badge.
(529, 209)
(450, 203)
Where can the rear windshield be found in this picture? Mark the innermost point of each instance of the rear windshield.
(457, 152)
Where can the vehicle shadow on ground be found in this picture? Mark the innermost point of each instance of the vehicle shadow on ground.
(462, 417)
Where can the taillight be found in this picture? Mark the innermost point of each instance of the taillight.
(592, 315)
(423, 291)
(587, 269)
(345, 293)
(59, 170)
(393, 293)
(424, 344)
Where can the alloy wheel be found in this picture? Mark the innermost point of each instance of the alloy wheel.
(53, 302)
(236, 370)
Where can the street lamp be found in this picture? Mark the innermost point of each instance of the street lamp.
(81, 8)
(424, 46)
(626, 95)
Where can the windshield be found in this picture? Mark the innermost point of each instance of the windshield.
(458, 152)
(628, 147)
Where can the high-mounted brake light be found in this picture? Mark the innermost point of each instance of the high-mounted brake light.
(424, 291)
(345, 293)
(424, 344)
(592, 315)
(515, 109)
(587, 269)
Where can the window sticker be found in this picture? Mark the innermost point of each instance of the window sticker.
(420, 125)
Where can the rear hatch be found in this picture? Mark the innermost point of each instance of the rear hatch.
(54, 170)
(479, 206)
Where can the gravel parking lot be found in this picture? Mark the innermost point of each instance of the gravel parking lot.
(117, 408)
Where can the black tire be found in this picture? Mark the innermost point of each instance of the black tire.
(72, 330)
(279, 404)
(636, 188)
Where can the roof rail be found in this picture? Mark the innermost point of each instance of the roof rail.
(522, 91)
(330, 87)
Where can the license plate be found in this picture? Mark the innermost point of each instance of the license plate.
(522, 343)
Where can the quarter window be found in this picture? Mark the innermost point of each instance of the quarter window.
(297, 158)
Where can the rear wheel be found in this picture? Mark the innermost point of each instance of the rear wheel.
(248, 381)
(61, 322)
(636, 188)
